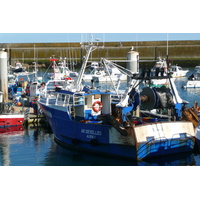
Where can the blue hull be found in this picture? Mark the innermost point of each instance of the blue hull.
(88, 137)
(95, 138)
(166, 147)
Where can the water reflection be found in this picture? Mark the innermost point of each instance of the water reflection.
(184, 159)
(21, 146)
(61, 156)
(35, 146)
(8, 136)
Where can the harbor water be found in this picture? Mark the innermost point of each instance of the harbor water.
(35, 145)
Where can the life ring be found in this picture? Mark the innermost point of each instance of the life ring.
(97, 106)
(98, 73)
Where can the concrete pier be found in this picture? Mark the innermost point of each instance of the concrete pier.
(30, 116)
(148, 50)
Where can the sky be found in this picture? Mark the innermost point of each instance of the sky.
(86, 37)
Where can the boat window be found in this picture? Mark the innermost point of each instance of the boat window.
(158, 65)
(182, 135)
(198, 76)
(97, 96)
(150, 139)
(93, 71)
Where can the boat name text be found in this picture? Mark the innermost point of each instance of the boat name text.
(92, 132)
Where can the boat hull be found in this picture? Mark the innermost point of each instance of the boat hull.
(197, 136)
(11, 120)
(107, 78)
(192, 84)
(166, 147)
(107, 140)
(179, 75)
(101, 139)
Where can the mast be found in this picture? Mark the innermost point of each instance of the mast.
(53, 60)
(91, 48)
(167, 52)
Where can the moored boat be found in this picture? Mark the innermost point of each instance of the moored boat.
(197, 67)
(163, 67)
(85, 118)
(8, 117)
(18, 68)
(193, 81)
(94, 70)
(60, 70)
(178, 71)
(111, 74)
(104, 73)
(11, 120)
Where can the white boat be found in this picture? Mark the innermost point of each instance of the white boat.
(113, 74)
(193, 81)
(94, 65)
(60, 70)
(17, 68)
(94, 70)
(104, 73)
(162, 68)
(159, 72)
(178, 71)
(61, 78)
(157, 76)
(197, 67)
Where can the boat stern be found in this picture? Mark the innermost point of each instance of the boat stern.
(164, 138)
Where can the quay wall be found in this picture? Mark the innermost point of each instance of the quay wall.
(184, 52)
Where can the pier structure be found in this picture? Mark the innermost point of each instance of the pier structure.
(184, 51)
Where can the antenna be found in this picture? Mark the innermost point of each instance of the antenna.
(92, 37)
(103, 39)
(137, 41)
(167, 44)
(167, 50)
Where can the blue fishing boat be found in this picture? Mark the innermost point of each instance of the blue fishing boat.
(85, 118)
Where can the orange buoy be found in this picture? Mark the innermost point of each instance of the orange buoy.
(19, 103)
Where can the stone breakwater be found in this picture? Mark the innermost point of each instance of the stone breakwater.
(183, 52)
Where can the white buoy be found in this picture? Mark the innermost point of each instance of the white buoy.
(133, 58)
(4, 75)
(133, 65)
